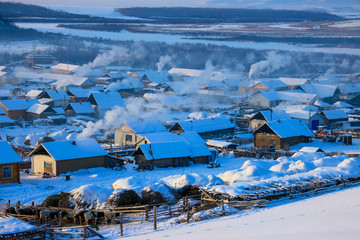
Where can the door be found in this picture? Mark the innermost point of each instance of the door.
(314, 124)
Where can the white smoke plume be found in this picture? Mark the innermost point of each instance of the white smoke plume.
(272, 63)
(163, 60)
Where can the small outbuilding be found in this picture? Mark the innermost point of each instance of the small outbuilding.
(60, 157)
(9, 164)
(311, 149)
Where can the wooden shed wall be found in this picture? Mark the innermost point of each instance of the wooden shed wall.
(71, 165)
(15, 173)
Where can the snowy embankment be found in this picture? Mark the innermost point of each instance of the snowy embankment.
(101, 188)
(325, 217)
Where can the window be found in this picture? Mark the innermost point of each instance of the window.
(128, 138)
(7, 172)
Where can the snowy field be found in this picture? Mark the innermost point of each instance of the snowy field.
(325, 217)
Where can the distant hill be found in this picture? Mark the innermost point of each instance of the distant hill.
(238, 15)
(19, 10)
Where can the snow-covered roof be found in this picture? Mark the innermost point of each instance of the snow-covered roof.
(157, 77)
(220, 144)
(186, 72)
(273, 83)
(321, 103)
(66, 150)
(8, 155)
(55, 95)
(81, 108)
(114, 75)
(160, 137)
(2, 73)
(349, 88)
(341, 104)
(289, 128)
(59, 110)
(18, 104)
(34, 93)
(310, 149)
(293, 81)
(288, 96)
(322, 90)
(106, 100)
(79, 92)
(11, 225)
(165, 150)
(335, 114)
(39, 108)
(206, 125)
(301, 111)
(146, 126)
(65, 67)
(276, 114)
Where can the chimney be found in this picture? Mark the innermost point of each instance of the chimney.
(73, 143)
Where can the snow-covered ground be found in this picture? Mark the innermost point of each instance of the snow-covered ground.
(325, 217)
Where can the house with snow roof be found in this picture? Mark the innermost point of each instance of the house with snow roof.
(55, 98)
(282, 133)
(79, 108)
(9, 164)
(130, 133)
(78, 94)
(33, 94)
(63, 68)
(16, 108)
(270, 84)
(332, 117)
(38, 111)
(308, 114)
(270, 99)
(168, 154)
(56, 158)
(105, 101)
(264, 116)
(196, 144)
(294, 83)
(328, 93)
(206, 128)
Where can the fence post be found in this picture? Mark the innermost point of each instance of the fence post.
(84, 233)
(154, 213)
(18, 207)
(146, 213)
(290, 193)
(121, 225)
(222, 208)
(60, 218)
(170, 213)
(187, 209)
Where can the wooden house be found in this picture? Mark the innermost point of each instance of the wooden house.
(196, 144)
(78, 94)
(328, 93)
(38, 111)
(206, 128)
(55, 98)
(170, 154)
(9, 164)
(332, 117)
(105, 101)
(79, 108)
(270, 99)
(294, 83)
(60, 157)
(130, 133)
(16, 108)
(281, 134)
(63, 68)
(270, 84)
(262, 117)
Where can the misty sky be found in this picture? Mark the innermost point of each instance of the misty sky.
(275, 4)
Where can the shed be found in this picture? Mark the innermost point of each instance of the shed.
(64, 156)
(221, 144)
(105, 101)
(56, 98)
(206, 128)
(332, 117)
(170, 154)
(311, 149)
(37, 111)
(77, 94)
(129, 134)
(80, 108)
(282, 134)
(34, 93)
(16, 108)
(9, 164)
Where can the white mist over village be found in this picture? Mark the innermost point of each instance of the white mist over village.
(219, 120)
